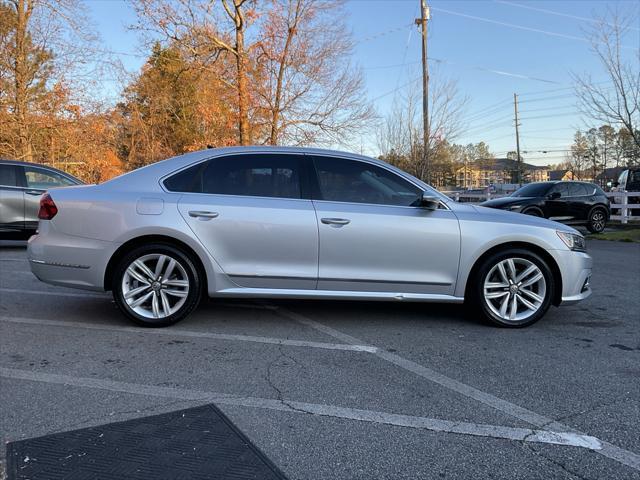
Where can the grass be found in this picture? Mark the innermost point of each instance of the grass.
(626, 235)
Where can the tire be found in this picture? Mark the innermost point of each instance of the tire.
(488, 277)
(597, 220)
(534, 212)
(164, 301)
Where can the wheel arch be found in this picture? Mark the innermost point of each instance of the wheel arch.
(533, 207)
(145, 240)
(553, 265)
(600, 206)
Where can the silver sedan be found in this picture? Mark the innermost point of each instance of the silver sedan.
(299, 223)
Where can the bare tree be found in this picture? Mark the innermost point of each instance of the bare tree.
(195, 26)
(616, 102)
(309, 91)
(402, 131)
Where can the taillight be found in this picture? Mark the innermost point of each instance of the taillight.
(48, 208)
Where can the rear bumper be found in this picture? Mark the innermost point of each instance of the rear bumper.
(69, 261)
(575, 269)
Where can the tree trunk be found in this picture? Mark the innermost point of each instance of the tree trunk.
(275, 114)
(21, 101)
(243, 99)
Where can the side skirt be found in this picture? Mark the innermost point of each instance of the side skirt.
(335, 295)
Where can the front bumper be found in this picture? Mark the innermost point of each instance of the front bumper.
(575, 269)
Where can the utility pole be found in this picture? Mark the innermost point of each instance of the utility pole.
(515, 109)
(422, 21)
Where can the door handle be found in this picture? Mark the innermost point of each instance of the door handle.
(335, 221)
(202, 214)
(34, 192)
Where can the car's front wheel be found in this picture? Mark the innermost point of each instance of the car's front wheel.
(513, 288)
(597, 220)
(156, 285)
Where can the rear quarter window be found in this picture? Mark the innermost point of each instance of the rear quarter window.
(187, 181)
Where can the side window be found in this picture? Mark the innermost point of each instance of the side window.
(342, 180)
(188, 180)
(8, 177)
(43, 179)
(577, 190)
(254, 175)
(562, 188)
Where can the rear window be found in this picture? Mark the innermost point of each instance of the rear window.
(255, 175)
(579, 190)
(8, 177)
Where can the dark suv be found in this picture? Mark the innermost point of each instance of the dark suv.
(573, 203)
(21, 186)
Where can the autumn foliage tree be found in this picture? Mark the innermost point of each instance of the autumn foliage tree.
(44, 49)
(171, 108)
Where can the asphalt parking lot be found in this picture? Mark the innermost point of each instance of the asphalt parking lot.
(345, 390)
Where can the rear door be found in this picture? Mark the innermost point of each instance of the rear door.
(558, 208)
(579, 201)
(374, 238)
(11, 199)
(251, 214)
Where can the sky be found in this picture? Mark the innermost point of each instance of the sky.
(493, 49)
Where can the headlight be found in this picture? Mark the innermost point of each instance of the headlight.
(574, 241)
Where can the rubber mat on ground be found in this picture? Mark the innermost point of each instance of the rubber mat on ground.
(197, 443)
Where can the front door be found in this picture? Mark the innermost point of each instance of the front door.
(374, 237)
(249, 211)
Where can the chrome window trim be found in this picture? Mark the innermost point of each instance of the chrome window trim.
(162, 179)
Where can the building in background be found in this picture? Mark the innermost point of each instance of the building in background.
(497, 171)
(561, 175)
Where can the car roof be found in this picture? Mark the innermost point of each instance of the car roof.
(162, 168)
(38, 165)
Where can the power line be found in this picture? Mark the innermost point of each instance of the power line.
(520, 27)
(560, 14)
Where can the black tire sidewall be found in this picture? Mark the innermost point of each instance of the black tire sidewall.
(477, 288)
(195, 284)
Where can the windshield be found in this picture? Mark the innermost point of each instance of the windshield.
(532, 190)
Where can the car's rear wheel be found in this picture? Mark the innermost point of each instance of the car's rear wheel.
(597, 220)
(513, 288)
(156, 285)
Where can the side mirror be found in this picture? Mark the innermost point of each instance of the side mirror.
(429, 202)
(554, 196)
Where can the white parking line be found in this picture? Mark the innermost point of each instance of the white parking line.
(626, 457)
(410, 421)
(59, 294)
(173, 332)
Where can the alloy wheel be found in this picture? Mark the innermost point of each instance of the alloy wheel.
(155, 285)
(598, 221)
(515, 289)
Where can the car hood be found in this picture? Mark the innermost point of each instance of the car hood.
(504, 201)
(504, 216)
